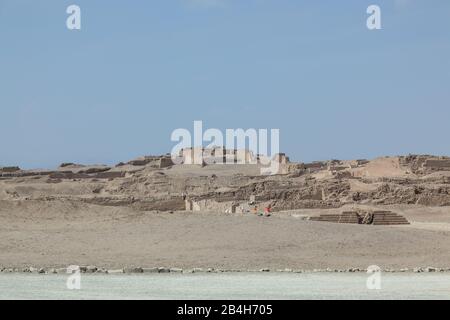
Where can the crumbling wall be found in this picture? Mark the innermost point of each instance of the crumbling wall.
(9, 169)
(437, 164)
(211, 205)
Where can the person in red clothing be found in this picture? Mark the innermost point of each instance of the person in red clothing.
(268, 210)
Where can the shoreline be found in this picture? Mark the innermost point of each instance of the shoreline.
(164, 270)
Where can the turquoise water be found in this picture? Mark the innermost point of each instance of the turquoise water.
(227, 286)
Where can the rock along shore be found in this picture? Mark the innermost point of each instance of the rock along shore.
(154, 270)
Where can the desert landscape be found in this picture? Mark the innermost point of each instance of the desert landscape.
(150, 215)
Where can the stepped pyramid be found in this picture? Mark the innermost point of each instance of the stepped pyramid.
(386, 218)
(345, 217)
(353, 217)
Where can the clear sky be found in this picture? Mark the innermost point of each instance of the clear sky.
(139, 69)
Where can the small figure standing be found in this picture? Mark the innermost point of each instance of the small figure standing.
(268, 210)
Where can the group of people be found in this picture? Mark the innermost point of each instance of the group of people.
(267, 211)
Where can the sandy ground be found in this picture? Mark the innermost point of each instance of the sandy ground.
(61, 233)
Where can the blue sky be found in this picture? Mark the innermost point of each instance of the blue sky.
(140, 69)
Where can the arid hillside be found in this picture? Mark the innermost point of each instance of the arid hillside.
(154, 183)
